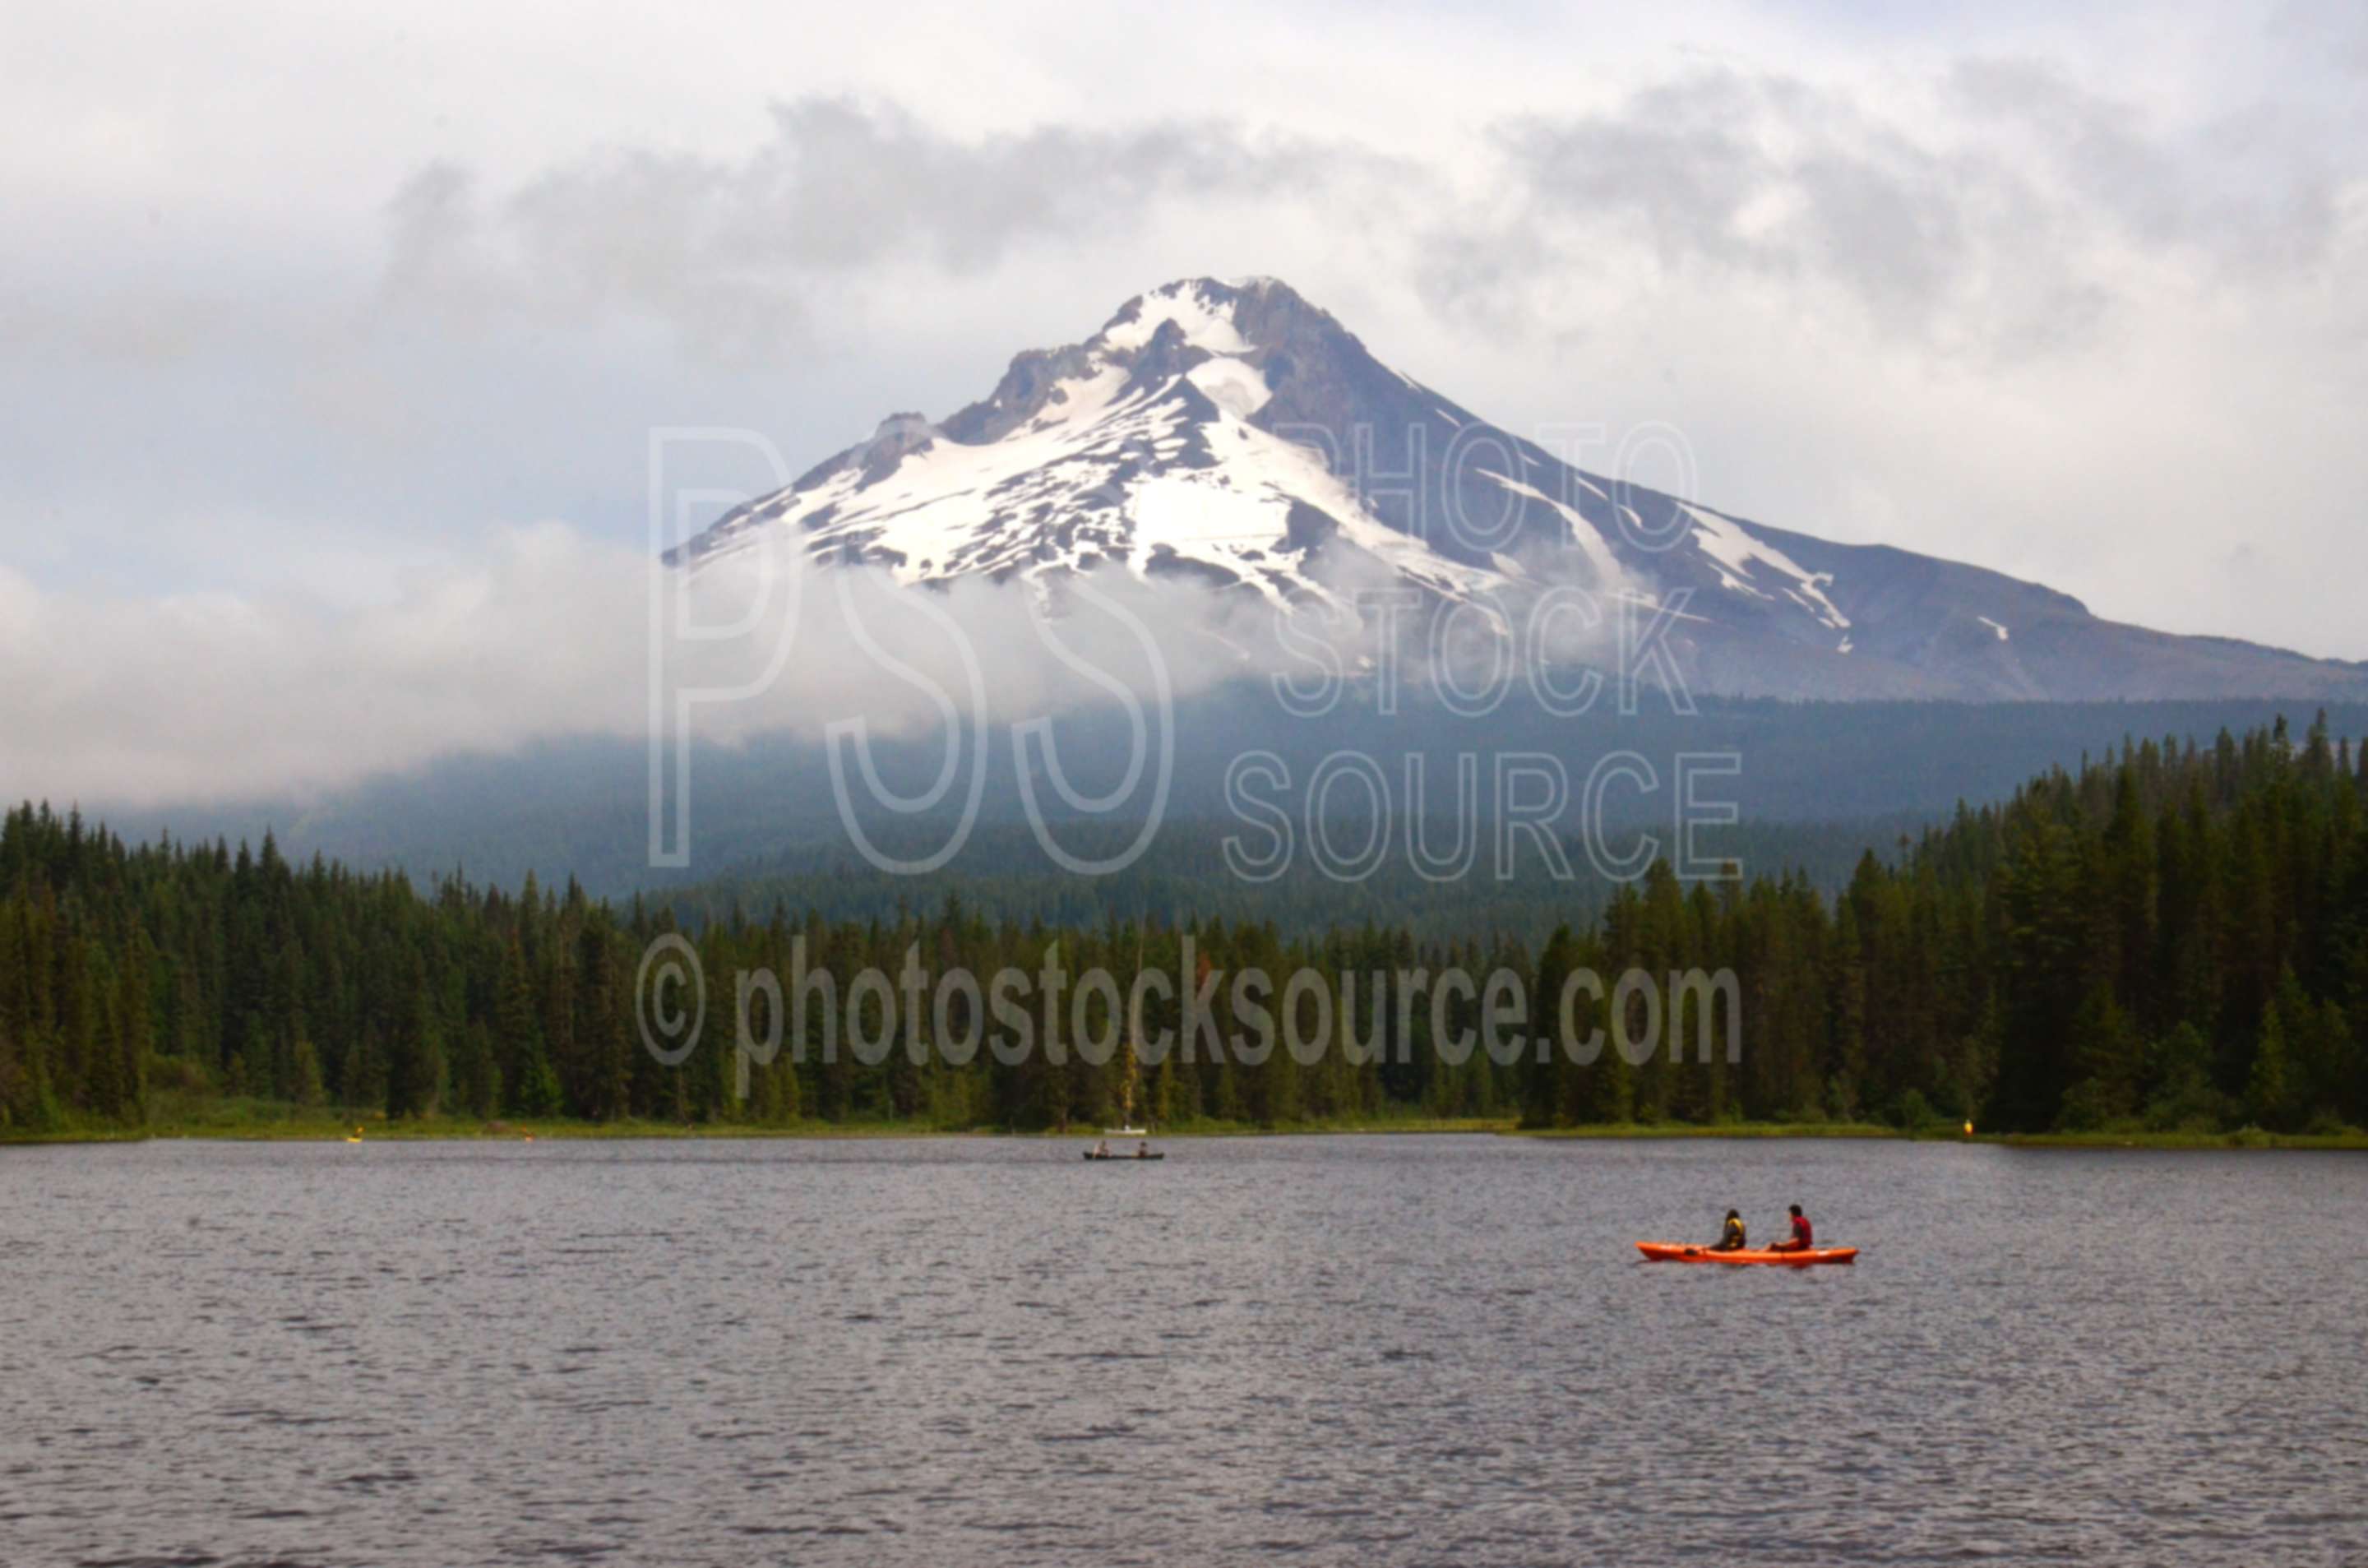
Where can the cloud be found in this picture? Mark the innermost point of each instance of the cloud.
(2334, 32)
(1772, 181)
(547, 636)
(1994, 208)
(2000, 212)
(734, 254)
(550, 635)
(2249, 189)
(219, 695)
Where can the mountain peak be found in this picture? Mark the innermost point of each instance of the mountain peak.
(1201, 307)
(1230, 315)
(1232, 432)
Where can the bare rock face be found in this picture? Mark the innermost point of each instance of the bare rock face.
(899, 436)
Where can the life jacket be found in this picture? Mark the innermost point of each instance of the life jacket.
(1732, 1235)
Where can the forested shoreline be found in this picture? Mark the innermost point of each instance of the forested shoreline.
(2174, 939)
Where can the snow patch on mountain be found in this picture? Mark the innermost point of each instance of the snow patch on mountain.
(1230, 384)
(1603, 563)
(1737, 554)
(1204, 315)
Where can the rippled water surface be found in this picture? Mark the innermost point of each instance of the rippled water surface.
(1370, 1350)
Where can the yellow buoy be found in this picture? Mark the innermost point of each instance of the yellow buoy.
(1969, 1130)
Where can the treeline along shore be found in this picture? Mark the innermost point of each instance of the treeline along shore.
(2170, 942)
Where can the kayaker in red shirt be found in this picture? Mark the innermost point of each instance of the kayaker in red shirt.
(1803, 1238)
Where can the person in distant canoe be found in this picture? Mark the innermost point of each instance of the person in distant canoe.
(1143, 1150)
(1802, 1239)
(1730, 1235)
(1101, 1150)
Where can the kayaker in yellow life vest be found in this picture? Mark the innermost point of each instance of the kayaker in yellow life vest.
(1730, 1235)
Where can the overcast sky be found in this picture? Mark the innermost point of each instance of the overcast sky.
(304, 307)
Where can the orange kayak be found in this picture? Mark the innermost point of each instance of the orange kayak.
(1679, 1251)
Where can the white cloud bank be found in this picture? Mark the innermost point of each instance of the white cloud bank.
(218, 698)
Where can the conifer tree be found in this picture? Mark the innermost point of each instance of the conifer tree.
(1543, 1091)
(529, 1085)
(415, 1064)
(2106, 1063)
(2266, 1097)
(600, 1027)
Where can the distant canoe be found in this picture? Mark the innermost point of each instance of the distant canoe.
(1128, 1159)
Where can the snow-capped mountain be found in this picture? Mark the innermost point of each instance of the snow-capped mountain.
(1234, 432)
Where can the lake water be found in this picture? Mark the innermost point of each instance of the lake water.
(1367, 1350)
